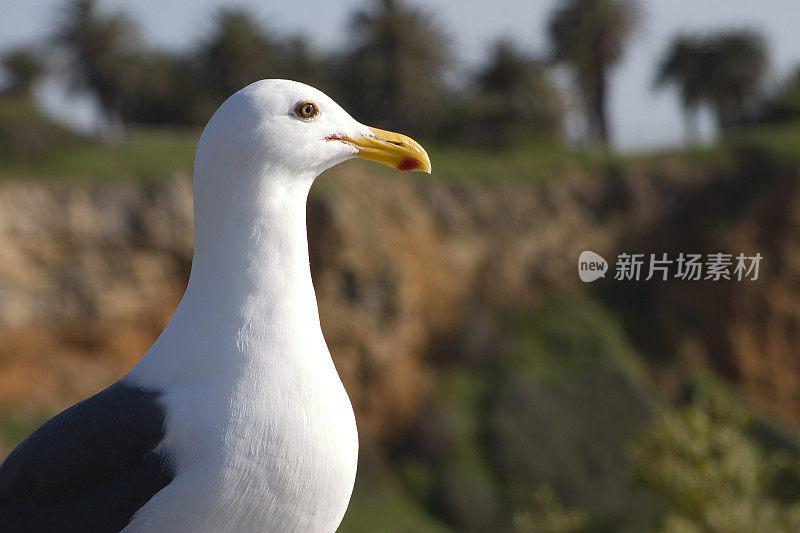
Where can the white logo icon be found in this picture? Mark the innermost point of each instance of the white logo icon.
(591, 266)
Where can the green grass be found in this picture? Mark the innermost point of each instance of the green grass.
(141, 155)
(389, 513)
(571, 332)
(780, 143)
(782, 140)
(49, 153)
(148, 154)
(381, 503)
(534, 162)
(33, 147)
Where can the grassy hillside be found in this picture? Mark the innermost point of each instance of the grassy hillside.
(34, 147)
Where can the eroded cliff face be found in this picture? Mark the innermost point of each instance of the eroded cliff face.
(89, 273)
(403, 268)
(749, 331)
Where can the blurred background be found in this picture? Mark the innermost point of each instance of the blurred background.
(494, 391)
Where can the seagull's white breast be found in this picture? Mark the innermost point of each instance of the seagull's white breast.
(267, 448)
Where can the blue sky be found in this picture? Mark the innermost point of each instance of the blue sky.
(641, 119)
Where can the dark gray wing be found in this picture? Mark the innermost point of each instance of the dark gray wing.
(88, 469)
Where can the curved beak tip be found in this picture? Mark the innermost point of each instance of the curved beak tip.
(391, 149)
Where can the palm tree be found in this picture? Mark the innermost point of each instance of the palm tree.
(723, 71)
(394, 72)
(737, 62)
(515, 97)
(590, 36)
(24, 67)
(99, 46)
(165, 91)
(684, 66)
(237, 52)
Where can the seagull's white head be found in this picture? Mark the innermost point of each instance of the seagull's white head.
(281, 129)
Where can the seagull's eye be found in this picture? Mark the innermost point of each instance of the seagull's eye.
(306, 110)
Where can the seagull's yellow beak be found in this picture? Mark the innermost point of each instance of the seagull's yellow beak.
(391, 149)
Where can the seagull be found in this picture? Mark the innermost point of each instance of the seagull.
(235, 420)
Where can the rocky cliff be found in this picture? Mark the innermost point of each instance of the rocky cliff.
(406, 272)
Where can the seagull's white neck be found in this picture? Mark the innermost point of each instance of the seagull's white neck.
(250, 266)
(255, 258)
(250, 296)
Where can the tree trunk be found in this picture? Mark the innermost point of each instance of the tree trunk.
(690, 129)
(723, 117)
(600, 111)
(595, 101)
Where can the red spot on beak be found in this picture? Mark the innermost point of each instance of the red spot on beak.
(409, 163)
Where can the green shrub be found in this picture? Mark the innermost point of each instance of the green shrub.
(712, 474)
